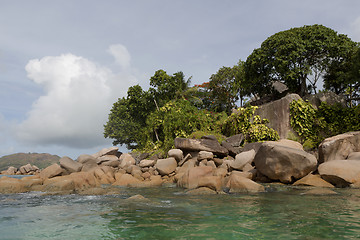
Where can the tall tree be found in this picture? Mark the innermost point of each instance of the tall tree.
(298, 57)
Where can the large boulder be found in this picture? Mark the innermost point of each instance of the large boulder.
(190, 178)
(176, 153)
(328, 97)
(106, 151)
(195, 145)
(341, 173)
(10, 171)
(70, 165)
(313, 180)
(126, 160)
(126, 180)
(242, 159)
(11, 185)
(166, 166)
(51, 171)
(278, 114)
(283, 163)
(237, 183)
(339, 147)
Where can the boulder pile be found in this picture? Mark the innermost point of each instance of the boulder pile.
(27, 169)
(202, 166)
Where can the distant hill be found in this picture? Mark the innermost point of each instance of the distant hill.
(41, 160)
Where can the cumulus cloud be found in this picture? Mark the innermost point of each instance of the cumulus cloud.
(121, 55)
(78, 96)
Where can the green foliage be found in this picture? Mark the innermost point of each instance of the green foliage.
(298, 57)
(314, 125)
(200, 134)
(252, 126)
(179, 118)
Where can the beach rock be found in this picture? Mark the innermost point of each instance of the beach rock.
(190, 178)
(84, 158)
(10, 171)
(59, 184)
(111, 163)
(340, 173)
(236, 140)
(210, 145)
(212, 182)
(242, 159)
(30, 182)
(237, 183)
(137, 198)
(248, 175)
(11, 185)
(166, 166)
(147, 163)
(232, 150)
(278, 114)
(126, 160)
(70, 165)
(106, 158)
(51, 171)
(104, 175)
(201, 191)
(220, 172)
(313, 180)
(126, 180)
(339, 147)
(205, 155)
(283, 163)
(176, 153)
(106, 151)
(354, 156)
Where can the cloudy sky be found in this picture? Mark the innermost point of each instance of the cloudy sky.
(64, 63)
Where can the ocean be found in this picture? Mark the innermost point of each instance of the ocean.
(282, 212)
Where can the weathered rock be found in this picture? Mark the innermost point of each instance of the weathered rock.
(137, 198)
(11, 185)
(166, 166)
(283, 163)
(242, 159)
(237, 183)
(354, 156)
(84, 158)
(340, 173)
(111, 163)
(89, 165)
(30, 182)
(147, 163)
(248, 175)
(236, 140)
(51, 171)
(205, 155)
(70, 165)
(211, 164)
(201, 191)
(187, 144)
(278, 114)
(106, 151)
(126, 180)
(213, 182)
(190, 179)
(187, 157)
(106, 158)
(232, 150)
(126, 160)
(339, 147)
(105, 175)
(313, 180)
(59, 184)
(220, 172)
(176, 153)
(10, 171)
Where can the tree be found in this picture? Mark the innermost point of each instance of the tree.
(298, 57)
(127, 118)
(226, 87)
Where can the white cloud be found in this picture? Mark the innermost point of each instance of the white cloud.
(121, 55)
(77, 100)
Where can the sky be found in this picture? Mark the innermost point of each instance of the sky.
(64, 63)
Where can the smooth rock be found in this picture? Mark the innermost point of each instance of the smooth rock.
(126, 160)
(354, 156)
(147, 163)
(51, 171)
(340, 173)
(205, 155)
(201, 191)
(176, 153)
(210, 145)
(283, 163)
(166, 166)
(237, 183)
(339, 147)
(242, 159)
(70, 165)
(313, 180)
(190, 178)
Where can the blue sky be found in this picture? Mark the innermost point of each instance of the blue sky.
(64, 63)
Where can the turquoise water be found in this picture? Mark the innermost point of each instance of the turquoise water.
(280, 213)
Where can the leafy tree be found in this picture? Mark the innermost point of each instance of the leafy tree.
(298, 57)
(127, 118)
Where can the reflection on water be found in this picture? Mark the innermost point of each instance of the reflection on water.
(283, 213)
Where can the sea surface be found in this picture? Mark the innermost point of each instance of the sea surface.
(280, 213)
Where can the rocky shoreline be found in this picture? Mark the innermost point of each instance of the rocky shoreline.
(201, 166)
